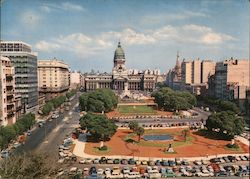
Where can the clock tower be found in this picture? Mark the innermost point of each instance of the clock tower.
(119, 71)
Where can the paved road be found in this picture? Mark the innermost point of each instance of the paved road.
(51, 134)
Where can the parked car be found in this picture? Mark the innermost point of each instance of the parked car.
(164, 163)
(96, 161)
(5, 154)
(131, 161)
(102, 160)
(109, 161)
(125, 170)
(116, 161)
(124, 161)
(92, 170)
(100, 171)
(136, 175)
(158, 162)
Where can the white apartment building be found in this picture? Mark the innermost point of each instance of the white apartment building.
(7, 92)
(25, 63)
(53, 77)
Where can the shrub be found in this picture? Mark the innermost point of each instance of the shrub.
(103, 148)
(233, 146)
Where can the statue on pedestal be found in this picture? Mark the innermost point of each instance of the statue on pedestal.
(170, 148)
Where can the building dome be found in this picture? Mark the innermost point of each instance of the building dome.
(119, 53)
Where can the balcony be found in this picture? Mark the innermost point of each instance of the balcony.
(9, 83)
(9, 93)
(10, 110)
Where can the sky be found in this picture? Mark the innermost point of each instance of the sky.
(85, 33)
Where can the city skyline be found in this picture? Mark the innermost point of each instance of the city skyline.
(85, 33)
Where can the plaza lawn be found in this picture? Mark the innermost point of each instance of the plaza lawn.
(195, 146)
(137, 109)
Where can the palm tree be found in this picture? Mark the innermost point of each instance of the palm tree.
(133, 125)
(185, 134)
(139, 131)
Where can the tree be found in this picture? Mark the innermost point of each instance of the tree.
(139, 131)
(133, 125)
(226, 123)
(98, 126)
(29, 165)
(185, 134)
(168, 99)
(98, 101)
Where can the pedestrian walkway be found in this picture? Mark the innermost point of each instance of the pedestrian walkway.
(81, 142)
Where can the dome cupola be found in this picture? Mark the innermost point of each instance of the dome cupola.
(119, 53)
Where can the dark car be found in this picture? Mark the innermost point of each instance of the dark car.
(171, 163)
(231, 158)
(131, 161)
(164, 163)
(102, 160)
(92, 170)
(116, 161)
(158, 162)
(222, 174)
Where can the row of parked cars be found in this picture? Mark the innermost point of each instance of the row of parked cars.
(192, 126)
(132, 161)
(65, 153)
(211, 170)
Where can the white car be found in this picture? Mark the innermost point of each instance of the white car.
(154, 174)
(115, 175)
(126, 170)
(100, 171)
(132, 175)
(197, 162)
(107, 171)
(82, 161)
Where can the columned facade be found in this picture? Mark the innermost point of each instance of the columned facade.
(120, 80)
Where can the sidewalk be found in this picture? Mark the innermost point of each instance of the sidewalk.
(81, 141)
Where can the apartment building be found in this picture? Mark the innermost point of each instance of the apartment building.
(207, 70)
(25, 63)
(195, 75)
(7, 92)
(232, 79)
(53, 78)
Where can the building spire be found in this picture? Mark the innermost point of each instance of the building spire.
(177, 59)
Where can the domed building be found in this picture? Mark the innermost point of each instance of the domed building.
(120, 79)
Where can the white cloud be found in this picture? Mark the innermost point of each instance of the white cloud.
(70, 6)
(66, 6)
(46, 46)
(159, 18)
(84, 45)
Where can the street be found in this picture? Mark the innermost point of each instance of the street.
(48, 137)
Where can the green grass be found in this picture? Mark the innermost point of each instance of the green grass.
(136, 110)
(239, 149)
(96, 150)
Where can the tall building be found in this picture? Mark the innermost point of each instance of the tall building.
(207, 70)
(75, 79)
(186, 72)
(25, 63)
(122, 80)
(7, 92)
(196, 71)
(232, 79)
(53, 78)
